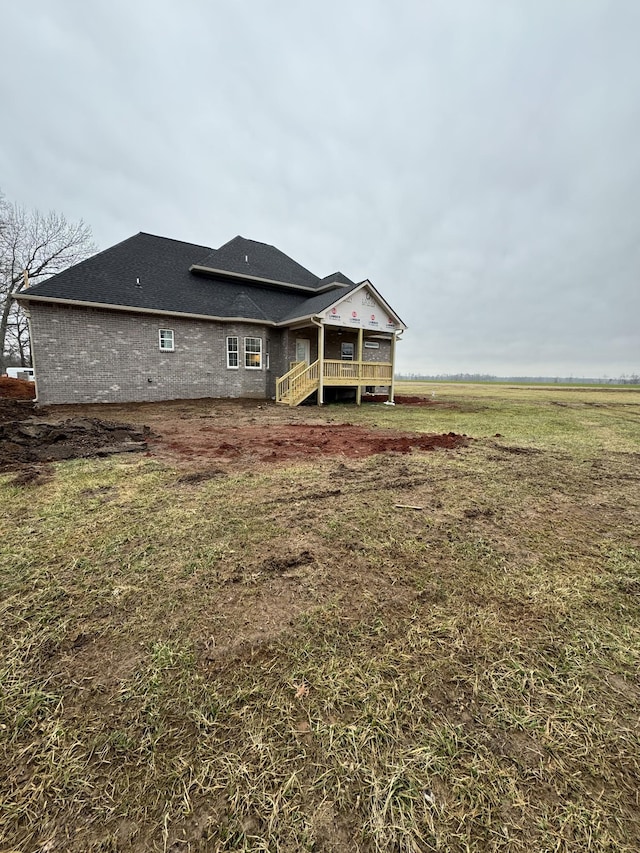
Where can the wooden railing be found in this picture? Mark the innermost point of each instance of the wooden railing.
(357, 372)
(303, 379)
(304, 383)
(283, 384)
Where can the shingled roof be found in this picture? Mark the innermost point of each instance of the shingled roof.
(259, 260)
(243, 279)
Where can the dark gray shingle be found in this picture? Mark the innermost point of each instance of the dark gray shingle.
(152, 272)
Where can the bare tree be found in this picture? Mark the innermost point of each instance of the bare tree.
(17, 343)
(33, 246)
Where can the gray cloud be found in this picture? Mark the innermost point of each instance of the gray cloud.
(477, 161)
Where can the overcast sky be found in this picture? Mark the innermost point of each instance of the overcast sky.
(478, 160)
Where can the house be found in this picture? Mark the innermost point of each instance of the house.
(153, 318)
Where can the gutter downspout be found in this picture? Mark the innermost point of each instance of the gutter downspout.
(320, 326)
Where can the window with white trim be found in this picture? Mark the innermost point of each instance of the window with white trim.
(165, 337)
(232, 353)
(266, 355)
(253, 353)
(347, 350)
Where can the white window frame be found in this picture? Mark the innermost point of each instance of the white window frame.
(231, 352)
(252, 352)
(372, 344)
(266, 355)
(343, 349)
(162, 340)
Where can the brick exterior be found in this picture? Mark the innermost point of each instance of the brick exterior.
(91, 355)
(87, 355)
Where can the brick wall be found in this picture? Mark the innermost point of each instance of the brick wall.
(86, 355)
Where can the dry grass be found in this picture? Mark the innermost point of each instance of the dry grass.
(280, 660)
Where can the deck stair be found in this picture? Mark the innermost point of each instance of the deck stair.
(298, 384)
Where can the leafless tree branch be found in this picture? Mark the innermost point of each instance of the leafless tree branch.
(40, 244)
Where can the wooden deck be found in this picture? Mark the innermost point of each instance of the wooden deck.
(302, 380)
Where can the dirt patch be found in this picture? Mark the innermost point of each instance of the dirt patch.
(15, 410)
(17, 389)
(250, 445)
(39, 441)
(405, 400)
(210, 437)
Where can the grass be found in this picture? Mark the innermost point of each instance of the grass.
(239, 665)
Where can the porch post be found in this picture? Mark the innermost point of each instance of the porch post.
(320, 362)
(393, 366)
(359, 387)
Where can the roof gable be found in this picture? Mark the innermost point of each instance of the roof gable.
(258, 260)
(359, 306)
(336, 278)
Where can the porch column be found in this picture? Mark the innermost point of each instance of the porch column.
(359, 359)
(320, 362)
(393, 366)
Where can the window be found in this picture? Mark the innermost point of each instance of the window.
(166, 340)
(371, 345)
(253, 353)
(347, 350)
(266, 354)
(232, 353)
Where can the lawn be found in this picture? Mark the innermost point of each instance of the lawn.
(400, 652)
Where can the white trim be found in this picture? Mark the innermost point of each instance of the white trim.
(250, 352)
(235, 352)
(162, 348)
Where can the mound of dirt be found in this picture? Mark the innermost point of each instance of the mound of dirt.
(17, 389)
(404, 400)
(28, 441)
(15, 410)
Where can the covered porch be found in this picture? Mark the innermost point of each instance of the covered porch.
(330, 356)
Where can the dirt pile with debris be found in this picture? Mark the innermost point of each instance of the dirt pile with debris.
(16, 389)
(28, 441)
(217, 434)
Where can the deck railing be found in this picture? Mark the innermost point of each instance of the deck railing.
(357, 372)
(304, 383)
(283, 383)
(302, 380)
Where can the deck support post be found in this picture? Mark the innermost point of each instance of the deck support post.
(393, 366)
(359, 386)
(320, 363)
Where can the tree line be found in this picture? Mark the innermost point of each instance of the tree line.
(624, 379)
(33, 247)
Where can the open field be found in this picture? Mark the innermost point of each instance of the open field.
(226, 646)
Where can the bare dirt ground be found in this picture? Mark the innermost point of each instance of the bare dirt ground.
(195, 433)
